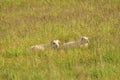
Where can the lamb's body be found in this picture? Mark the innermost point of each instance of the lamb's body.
(69, 44)
(82, 42)
(53, 44)
(41, 46)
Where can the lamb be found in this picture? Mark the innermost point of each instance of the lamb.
(82, 42)
(53, 44)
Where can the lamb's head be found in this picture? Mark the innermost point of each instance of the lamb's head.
(84, 41)
(55, 43)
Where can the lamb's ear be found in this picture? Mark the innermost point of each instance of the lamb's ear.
(88, 40)
(82, 38)
(85, 39)
(58, 41)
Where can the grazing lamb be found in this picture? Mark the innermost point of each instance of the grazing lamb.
(53, 44)
(82, 42)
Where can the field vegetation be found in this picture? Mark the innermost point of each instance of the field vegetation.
(24, 23)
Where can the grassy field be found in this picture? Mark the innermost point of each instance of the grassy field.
(24, 23)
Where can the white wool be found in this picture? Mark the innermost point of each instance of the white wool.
(82, 42)
(53, 44)
(41, 46)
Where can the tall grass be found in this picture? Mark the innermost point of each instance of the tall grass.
(29, 22)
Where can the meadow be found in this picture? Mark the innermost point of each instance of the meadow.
(24, 23)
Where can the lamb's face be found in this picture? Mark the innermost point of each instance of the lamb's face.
(84, 40)
(55, 43)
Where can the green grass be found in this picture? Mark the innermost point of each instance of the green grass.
(24, 23)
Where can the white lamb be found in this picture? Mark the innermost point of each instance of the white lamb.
(53, 44)
(82, 42)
